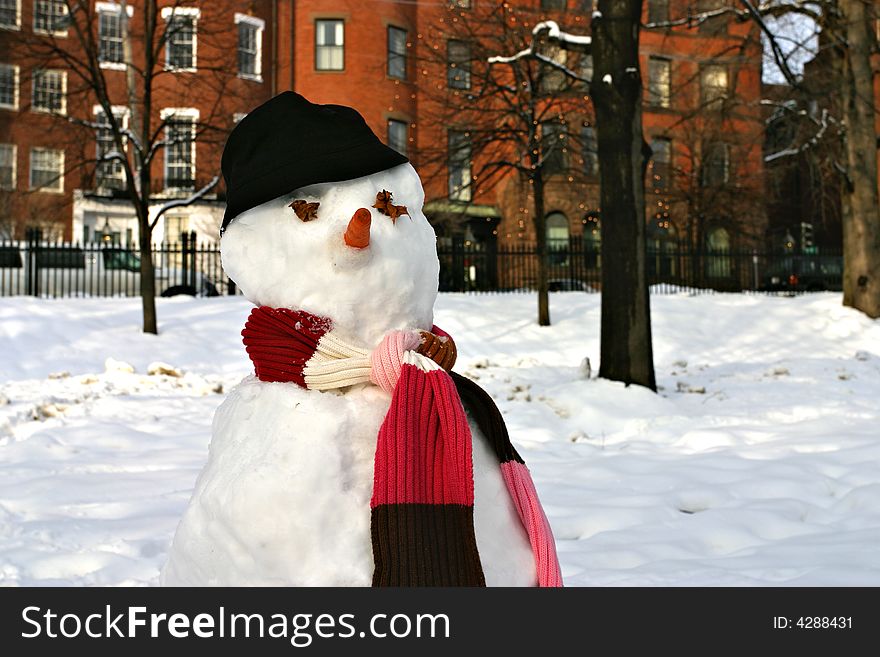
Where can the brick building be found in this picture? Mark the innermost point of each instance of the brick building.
(702, 83)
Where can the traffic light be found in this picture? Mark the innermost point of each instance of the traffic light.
(806, 235)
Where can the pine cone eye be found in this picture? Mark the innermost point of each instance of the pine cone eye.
(305, 210)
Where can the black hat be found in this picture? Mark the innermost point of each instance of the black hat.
(288, 142)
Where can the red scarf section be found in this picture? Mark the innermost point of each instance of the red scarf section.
(423, 492)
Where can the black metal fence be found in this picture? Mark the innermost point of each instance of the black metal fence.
(45, 269)
(671, 267)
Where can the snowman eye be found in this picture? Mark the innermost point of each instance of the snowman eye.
(305, 210)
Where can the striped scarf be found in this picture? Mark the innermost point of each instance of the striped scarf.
(422, 525)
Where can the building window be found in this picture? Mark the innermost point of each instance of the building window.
(458, 64)
(716, 165)
(591, 151)
(47, 169)
(396, 53)
(50, 87)
(585, 67)
(50, 17)
(329, 45)
(552, 77)
(659, 81)
(181, 40)
(660, 163)
(658, 11)
(398, 135)
(10, 14)
(557, 232)
(7, 166)
(459, 164)
(8, 86)
(553, 148)
(713, 83)
(109, 173)
(713, 25)
(180, 151)
(250, 46)
(553, 5)
(718, 263)
(110, 46)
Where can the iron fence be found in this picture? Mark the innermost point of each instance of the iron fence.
(44, 269)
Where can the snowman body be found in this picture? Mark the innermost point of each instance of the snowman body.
(285, 496)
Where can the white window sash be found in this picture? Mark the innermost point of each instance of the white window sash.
(259, 25)
(56, 33)
(169, 114)
(58, 174)
(195, 13)
(63, 75)
(17, 24)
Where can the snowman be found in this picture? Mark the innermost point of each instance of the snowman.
(353, 456)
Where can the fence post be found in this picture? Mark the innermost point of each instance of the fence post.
(32, 235)
(192, 260)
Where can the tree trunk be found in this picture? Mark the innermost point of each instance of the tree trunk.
(145, 231)
(625, 353)
(540, 223)
(859, 202)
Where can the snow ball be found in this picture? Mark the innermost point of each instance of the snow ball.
(113, 365)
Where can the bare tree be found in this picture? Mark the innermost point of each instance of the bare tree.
(513, 97)
(846, 43)
(136, 139)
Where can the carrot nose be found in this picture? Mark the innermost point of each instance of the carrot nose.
(357, 235)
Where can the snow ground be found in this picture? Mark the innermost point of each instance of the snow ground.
(757, 464)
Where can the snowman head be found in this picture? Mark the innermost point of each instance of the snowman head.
(302, 230)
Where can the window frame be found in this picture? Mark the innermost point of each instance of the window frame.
(13, 149)
(167, 115)
(59, 179)
(705, 100)
(39, 72)
(111, 8)
(661, 183)
(657, 4)
(405, 125)
(453, 66)
(656, 100)
(706, 161)
(17, 24)
(464, 192)
(554, 128)
(170, 14)
(49, 32)
(122, 113)
(590, 148)
(319, 46)
(259, 26)
(395, 56)
(15, 87)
